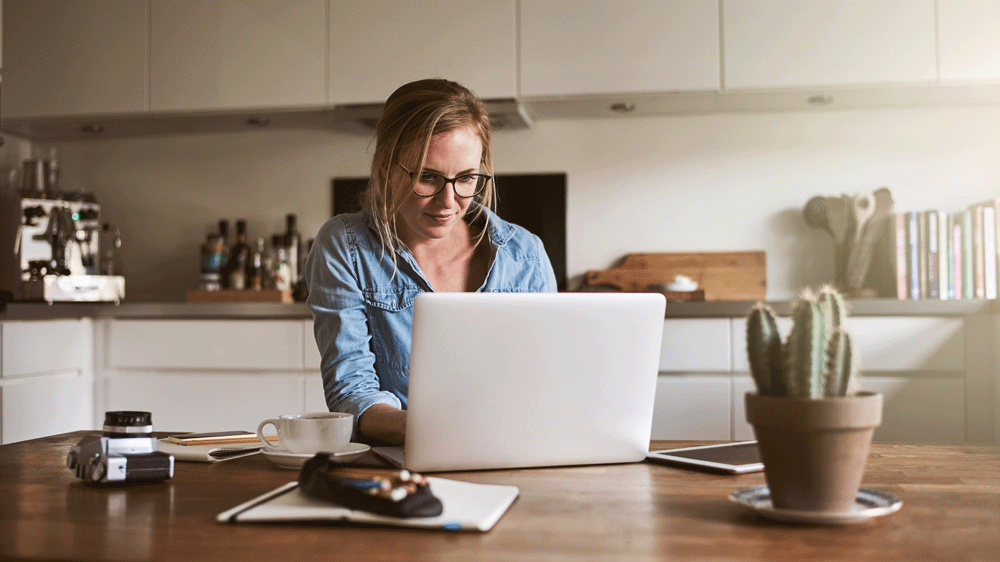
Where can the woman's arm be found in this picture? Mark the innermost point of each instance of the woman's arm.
(384, 422)
(341, 326)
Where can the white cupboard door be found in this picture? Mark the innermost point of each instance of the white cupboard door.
(969, 40)
(205, 401)
(46, 405)
(886, 344)
(86, 57)
(40, 347)
(914, 410)
(691, 407)
(794, 43)
(233, 55)
(376, 47)
(252, 345)
(920, 410)
(630, 46)
(696, 345)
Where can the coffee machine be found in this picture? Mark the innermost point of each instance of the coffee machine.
(61, 251)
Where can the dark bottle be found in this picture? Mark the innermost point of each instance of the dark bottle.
(239, 256)
(293, 249)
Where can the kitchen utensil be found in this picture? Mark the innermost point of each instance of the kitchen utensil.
(815, 213)
(881, 211)
(862, 209)
(837, 218)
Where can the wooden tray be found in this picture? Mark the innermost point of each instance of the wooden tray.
(723, 276)
(227, 295)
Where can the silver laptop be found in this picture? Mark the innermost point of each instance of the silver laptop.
(504, 380)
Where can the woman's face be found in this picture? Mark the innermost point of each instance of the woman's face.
(424, 219)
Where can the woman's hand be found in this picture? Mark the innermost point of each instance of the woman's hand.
(383, 422)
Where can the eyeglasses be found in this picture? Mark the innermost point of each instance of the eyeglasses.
(430, 183)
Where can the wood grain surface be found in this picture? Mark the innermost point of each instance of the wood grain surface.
(727, 276)
(950, 493)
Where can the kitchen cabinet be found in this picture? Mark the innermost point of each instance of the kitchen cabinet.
(696, 345)
(692, 402)
(915, 409)
(375, 47)
(85, 57)
(206, 344)
(208, 375)
(46, 378)
(969, 40)
(571, 47)
(235, 55)
(791, 43)
(692, 406)
(918, 363)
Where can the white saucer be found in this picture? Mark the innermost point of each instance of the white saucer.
(868, 504)
(351, 453)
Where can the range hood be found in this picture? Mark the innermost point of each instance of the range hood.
(505, 114)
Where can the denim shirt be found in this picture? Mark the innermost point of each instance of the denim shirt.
(362, 304)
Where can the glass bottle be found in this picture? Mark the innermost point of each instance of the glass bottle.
(255, 267)
(279, 272)
(293, 246)
(239, 256)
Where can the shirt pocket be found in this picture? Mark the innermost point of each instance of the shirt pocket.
(390, 300)
(390, 319)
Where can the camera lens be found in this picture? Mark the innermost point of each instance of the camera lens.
(128, 423)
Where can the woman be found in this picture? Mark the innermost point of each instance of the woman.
(427, 225)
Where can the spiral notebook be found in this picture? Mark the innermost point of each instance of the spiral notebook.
(467, 507)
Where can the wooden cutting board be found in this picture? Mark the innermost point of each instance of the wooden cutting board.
(723, 276)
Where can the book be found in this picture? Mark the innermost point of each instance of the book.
(467, 507)
(989, 252)
(945, 257)
(956, 255)
(978, 264)
(933, 255)
(991, 237)
(913, 246)
(968, 273)
(207, 453)
(900, 245)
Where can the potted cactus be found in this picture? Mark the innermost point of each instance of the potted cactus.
(812, 425)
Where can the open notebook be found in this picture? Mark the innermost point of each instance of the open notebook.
(467, 507)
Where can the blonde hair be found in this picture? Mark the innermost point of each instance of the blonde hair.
(412, 115)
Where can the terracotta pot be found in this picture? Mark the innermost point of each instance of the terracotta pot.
(814, 450)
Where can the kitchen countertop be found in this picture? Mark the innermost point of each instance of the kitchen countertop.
(278, 311)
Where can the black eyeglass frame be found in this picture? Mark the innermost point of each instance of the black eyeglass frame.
(485, 178)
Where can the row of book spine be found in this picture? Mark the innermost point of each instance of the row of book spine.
(948, 255)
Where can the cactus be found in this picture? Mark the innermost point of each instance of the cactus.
(764, 350)
(815, 361)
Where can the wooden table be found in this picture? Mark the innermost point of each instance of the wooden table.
(950, 493)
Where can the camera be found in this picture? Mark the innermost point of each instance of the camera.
(126, 452)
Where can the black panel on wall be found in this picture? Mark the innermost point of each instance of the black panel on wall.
(535, 201)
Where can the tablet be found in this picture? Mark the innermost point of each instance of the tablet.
(732, 458)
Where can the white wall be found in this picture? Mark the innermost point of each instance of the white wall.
(692, 183)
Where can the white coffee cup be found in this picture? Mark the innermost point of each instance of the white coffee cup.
(310, 432)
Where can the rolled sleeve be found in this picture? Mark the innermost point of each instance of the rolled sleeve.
(341, 325)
